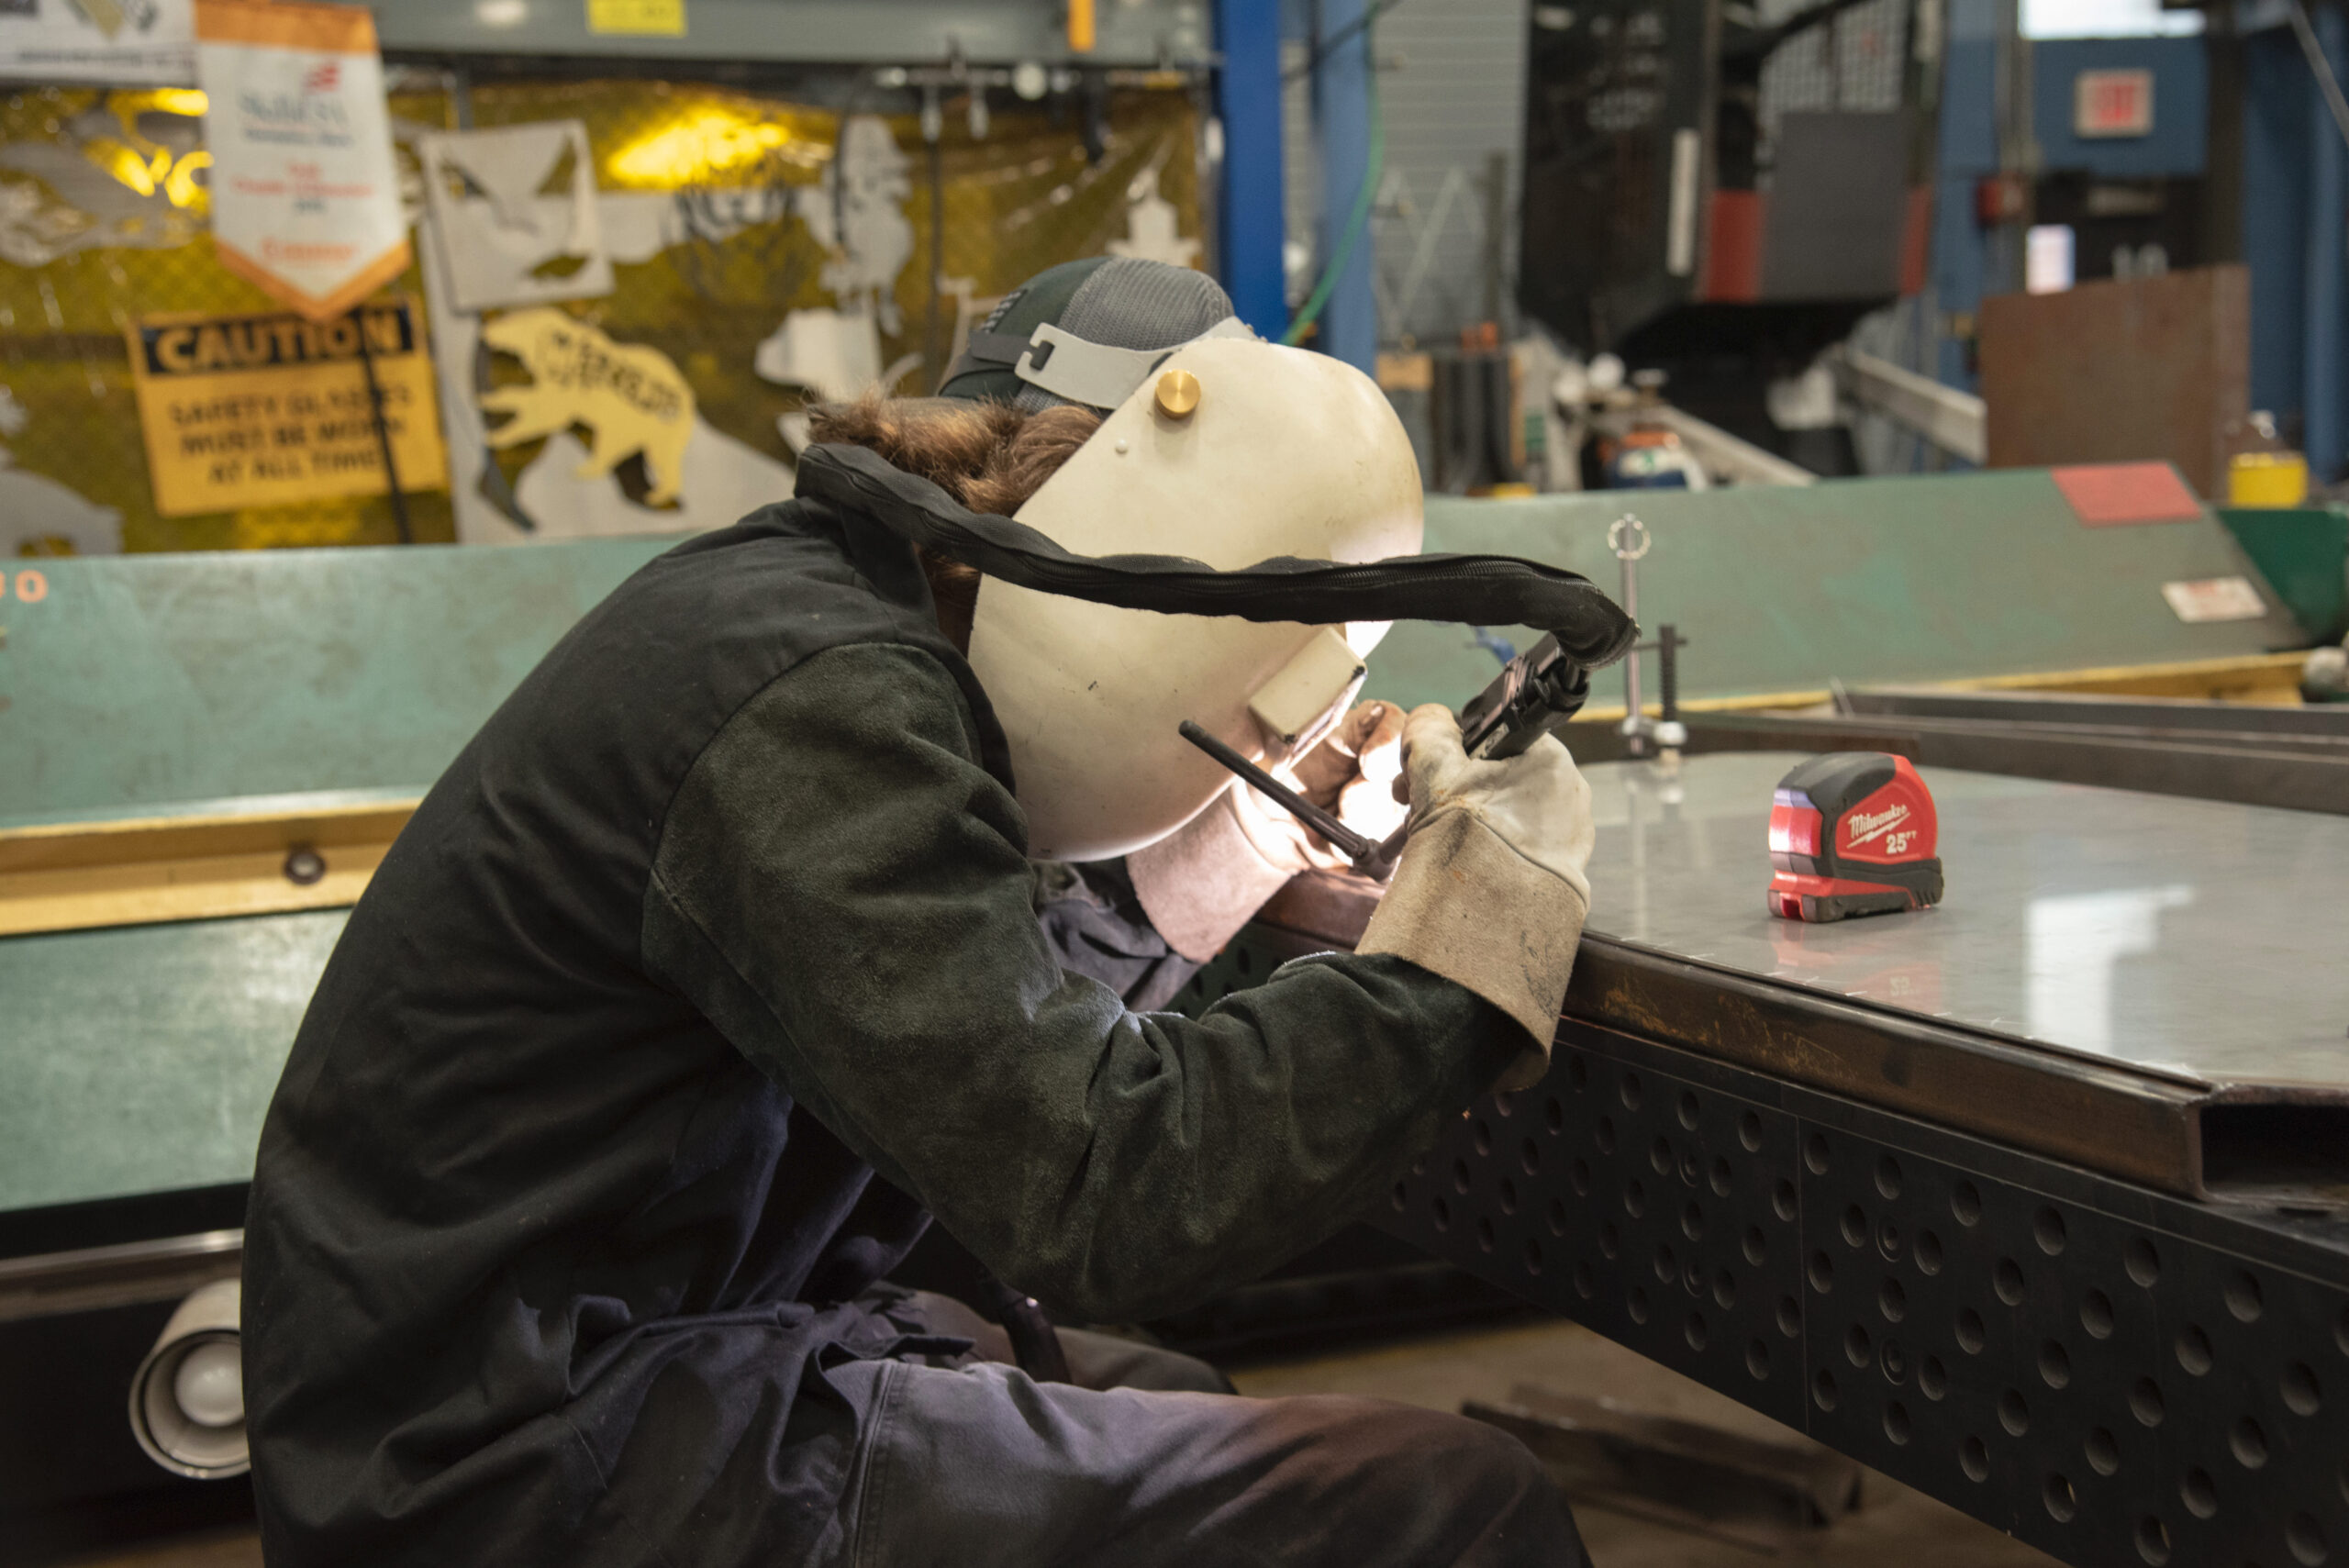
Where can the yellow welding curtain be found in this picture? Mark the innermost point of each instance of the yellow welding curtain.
(622, 340)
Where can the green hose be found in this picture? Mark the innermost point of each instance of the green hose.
(1357, 221)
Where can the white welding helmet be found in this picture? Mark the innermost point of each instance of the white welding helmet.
(1218, 447)
(1229, 451)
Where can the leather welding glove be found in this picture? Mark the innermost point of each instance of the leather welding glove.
(1202, 882)
(1491, 892)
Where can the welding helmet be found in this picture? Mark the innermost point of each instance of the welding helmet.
(1217, 447)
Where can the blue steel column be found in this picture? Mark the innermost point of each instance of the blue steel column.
(1342, 90)
(2322, 396)
(1252, 218)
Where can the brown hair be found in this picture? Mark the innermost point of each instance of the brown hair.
(989, 456)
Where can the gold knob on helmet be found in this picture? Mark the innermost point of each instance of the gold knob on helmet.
(1178, 394)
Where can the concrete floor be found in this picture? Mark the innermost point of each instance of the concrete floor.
(1894, 1524)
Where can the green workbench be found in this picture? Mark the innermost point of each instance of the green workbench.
(139, 1060)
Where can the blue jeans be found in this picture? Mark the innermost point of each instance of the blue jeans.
(1137, 1464)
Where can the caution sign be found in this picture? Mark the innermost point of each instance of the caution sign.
(268, 410)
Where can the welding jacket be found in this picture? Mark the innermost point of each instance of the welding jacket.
(710, 968)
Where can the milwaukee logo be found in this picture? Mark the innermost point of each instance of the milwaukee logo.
(1866, 827)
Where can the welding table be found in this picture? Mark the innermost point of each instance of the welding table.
(2034, 1201)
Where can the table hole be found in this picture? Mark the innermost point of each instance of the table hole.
(2301, 1395)
(2145, 1401)
(1887, 1178)
(1790, 1317)
(1974, 1458)
(1666, 1264)
(1782, 1200)
(2013, 1414)
(1660, 1154)
(1855, 1227)
(2243, 1297)
(2103, 1451)
(2054, 1364)
(1929, 1254)
(1528, 1154)
(1461, 1179)
(1855, 1346)
(1688, 1110)
(1971, 1336)
(1629, 1092)
(1586, 1280)
(1749, 1132)
(1532, 1256)
(1894, 1362)
(1896, 1424)
(1577, 1072)
(1695, 1332)
(1757, 1246)
(1557, 1217)
(1814, 1154)
(2095, 1315)
(2152, 1540)
(2006, 1280)
(1509, 1196)
(1692, 1222)
(2199, 1493)
(2305, 1538)
(2048, 1229)
(1578, 1176)
(1757, 1360)
(1485, 1238)
(1724, 1178)
(1932, 1379)
(2248, 1443)
(1480, 1133)
(1822, 1273)
(1402, 1195)
(1635, 1199)
(2144, 1263)
(2194, 1349)
(1724, 1290)
(2061, 1501)
(1892, 1301)
(1688, 1170)
(1638, 1303)
(1610, 1244)
(1965, 1204)
(1603, 1135)
(1823, 1389)
(1442, 1215)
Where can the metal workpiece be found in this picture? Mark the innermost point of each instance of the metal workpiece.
(2180, 939)
(2141, 985)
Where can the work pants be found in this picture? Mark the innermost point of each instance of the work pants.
(1134, 1466)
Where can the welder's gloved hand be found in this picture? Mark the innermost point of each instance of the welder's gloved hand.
(1201, 883)
(1491, 892)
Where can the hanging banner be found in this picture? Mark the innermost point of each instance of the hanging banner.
(121, 42)
(304, 199)
(268, 410)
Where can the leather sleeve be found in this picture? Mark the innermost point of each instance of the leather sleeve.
(846, 893)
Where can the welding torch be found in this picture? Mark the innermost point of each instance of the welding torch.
(1534, 693)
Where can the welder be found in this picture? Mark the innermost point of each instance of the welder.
(820, 882)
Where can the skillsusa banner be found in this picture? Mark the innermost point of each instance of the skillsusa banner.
(305, 199)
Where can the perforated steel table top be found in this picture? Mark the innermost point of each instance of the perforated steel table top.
(2187, 937)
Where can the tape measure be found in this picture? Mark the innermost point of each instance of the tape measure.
(1853, 833)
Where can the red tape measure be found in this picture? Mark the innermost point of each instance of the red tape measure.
(1853, 833)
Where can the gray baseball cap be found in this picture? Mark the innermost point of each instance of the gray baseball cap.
(1088, 332)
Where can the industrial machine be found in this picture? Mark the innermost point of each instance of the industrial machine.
(201, 757)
